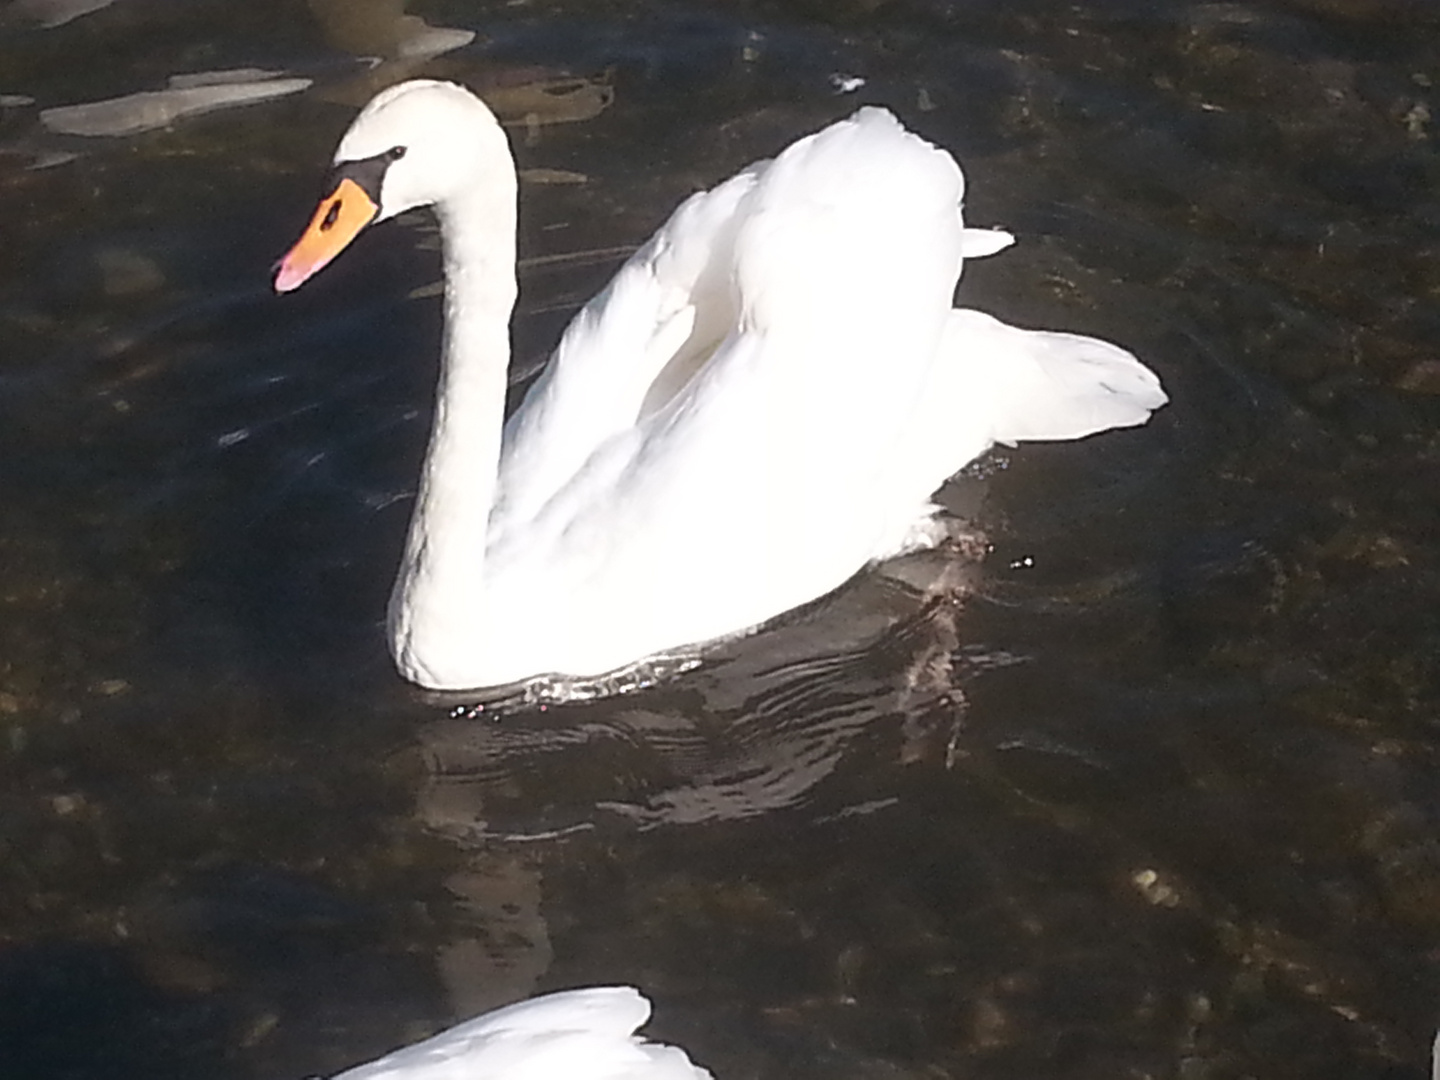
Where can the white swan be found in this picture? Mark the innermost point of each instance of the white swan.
(576, 1034)
(762, 401)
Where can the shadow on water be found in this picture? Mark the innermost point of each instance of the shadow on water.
(1149, 791)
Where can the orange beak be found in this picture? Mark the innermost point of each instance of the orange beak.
(338, 220)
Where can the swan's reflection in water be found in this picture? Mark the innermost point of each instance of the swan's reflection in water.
(498, 897)
(869, 674)
(812, 717)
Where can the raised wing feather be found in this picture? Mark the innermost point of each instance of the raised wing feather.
(663, 312)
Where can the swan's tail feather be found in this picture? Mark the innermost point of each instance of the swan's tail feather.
(1037, 385)
(978, 243)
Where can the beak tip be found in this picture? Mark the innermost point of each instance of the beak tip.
(337, 221)
(288, 278)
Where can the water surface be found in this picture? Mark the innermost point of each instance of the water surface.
(1147, 793)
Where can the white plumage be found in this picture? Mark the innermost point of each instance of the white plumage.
(762, 401)
(584, 1034)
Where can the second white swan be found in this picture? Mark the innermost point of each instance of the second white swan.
(586, 1034)
(761, 402)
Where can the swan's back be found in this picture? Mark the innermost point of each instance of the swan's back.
(584, 1034)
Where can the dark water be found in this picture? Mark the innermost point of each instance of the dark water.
(1150, 792)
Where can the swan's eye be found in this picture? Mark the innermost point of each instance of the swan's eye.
(395, 153)
(331, 216)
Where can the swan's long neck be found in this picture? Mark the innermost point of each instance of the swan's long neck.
(438, 604)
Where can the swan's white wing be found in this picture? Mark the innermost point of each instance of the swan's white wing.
(577, 1034)
(663, 312)
(812, 225)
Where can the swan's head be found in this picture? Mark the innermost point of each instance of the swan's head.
(418, 143)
